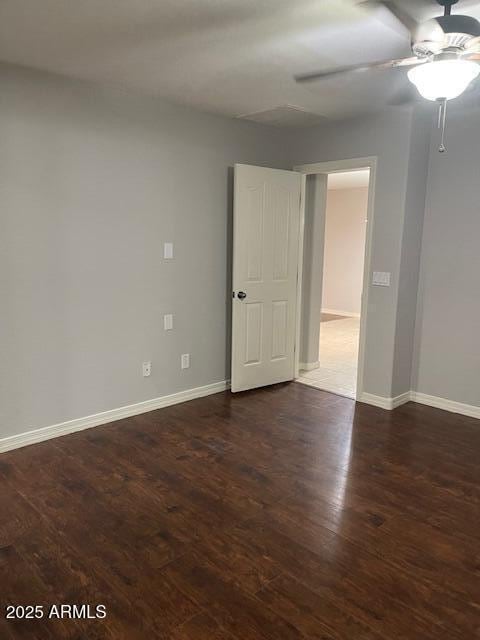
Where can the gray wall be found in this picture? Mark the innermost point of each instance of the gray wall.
(314, 240)
(387, 136)
(411, 248)
(447, 357)
(423, 332)
(92, 182)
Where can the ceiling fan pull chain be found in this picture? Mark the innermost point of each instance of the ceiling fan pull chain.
(442, 121)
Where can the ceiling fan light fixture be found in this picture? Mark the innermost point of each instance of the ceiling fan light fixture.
(443, 79)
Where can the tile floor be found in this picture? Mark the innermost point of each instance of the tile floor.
(338, 358)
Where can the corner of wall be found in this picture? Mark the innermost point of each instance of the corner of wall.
(315, 207)
(409, 271)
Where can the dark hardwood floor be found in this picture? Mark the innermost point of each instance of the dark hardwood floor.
(278, 514)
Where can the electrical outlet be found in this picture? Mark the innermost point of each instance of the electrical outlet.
(168, 322)
(185, 361)
(147, 369)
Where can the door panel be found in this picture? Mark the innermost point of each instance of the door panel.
(265, 265)
(253, 330)
(281, 232)
(279, 329)
(254, 234)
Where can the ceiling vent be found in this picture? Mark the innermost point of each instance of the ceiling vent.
(285, 116)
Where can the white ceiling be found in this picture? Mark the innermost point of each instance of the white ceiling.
(233, 57)
(349, 179)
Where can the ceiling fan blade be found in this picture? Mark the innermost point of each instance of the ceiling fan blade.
(358, 68)
(472, 56)
(400, 14)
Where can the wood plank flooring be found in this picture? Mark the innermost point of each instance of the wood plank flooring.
(279, 514)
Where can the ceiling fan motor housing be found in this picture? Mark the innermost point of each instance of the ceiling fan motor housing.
(445, 32)
(447, 3)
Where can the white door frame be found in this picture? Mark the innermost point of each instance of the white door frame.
(336, 166)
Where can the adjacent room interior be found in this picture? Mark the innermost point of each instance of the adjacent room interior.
(342, 277)
(239, 329)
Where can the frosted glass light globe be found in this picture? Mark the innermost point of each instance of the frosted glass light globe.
(443, 79)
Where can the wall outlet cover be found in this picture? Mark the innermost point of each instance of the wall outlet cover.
(146, 369)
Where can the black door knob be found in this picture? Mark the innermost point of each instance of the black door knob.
(241, 295)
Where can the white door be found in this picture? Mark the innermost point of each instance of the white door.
(265, 265)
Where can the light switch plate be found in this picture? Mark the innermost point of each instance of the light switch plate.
(168, 250)
(168, 321)
(381, 278)
(185, 360)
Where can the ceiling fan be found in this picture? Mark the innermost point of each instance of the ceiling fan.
(446, 55)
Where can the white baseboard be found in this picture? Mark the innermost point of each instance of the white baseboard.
(383, 402)
(308, 366)
(422, 398)
(56, 430)
(338, 312)
(403, 398)
(447, 405)
(79, 424)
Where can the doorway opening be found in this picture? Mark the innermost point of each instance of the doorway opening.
(338, 223)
